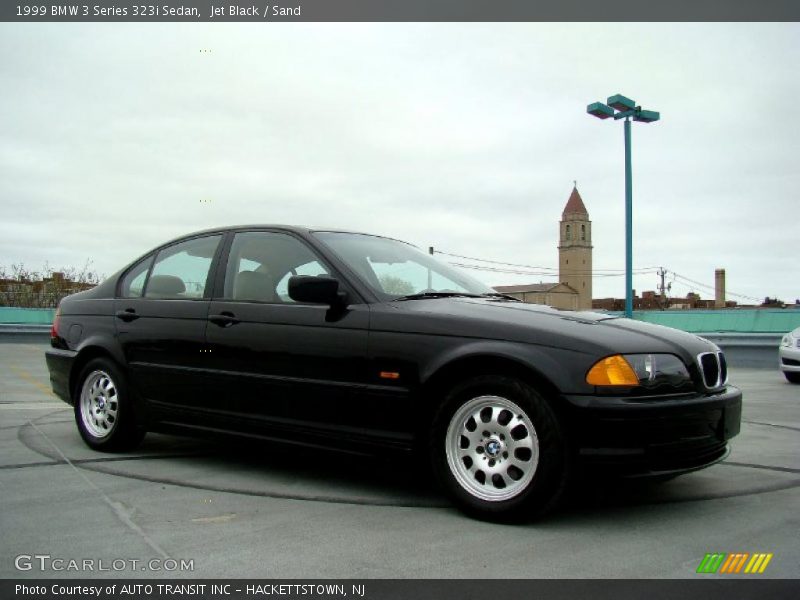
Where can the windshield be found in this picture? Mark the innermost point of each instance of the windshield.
(395, 269)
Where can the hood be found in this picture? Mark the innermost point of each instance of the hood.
(537, 324)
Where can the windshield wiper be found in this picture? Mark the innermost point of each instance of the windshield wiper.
(428, 295)
(501, 296)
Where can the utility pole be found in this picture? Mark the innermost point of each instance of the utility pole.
(662, 289)
(430, 273)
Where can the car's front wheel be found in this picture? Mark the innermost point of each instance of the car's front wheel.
(498, 449)
(104, 411)
(792, 377)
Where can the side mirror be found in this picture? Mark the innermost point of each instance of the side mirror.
(316, 290)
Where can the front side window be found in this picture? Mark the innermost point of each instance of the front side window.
(181, 270)
(260, 265)
(394, 269)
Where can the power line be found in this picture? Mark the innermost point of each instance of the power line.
(678, 278)
(494, 262)
(641, 270)
(536, 273)
(541, 271)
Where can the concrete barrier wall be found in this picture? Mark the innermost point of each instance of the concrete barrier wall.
(27, 316)
(761, 320)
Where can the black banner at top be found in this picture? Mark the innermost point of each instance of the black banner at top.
(271, 11)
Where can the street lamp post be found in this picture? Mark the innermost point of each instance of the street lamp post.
(619, 107)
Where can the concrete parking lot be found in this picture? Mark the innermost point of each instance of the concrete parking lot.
(231, 510)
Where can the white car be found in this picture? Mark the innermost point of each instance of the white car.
(789, 353)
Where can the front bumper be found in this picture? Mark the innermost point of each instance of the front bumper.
(59, 363)
(654, 437)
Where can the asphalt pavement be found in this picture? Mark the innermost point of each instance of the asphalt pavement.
(179, 507)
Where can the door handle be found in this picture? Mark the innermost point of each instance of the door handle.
(127, 315)
(225, 319)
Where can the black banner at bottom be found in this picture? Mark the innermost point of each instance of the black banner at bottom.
(710, 588)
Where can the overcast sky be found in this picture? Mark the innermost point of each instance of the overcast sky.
(466, 137)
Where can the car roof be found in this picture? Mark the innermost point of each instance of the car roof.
(293, 228)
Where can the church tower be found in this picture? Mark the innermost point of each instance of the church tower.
(575, 249)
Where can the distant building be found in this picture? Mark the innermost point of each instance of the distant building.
(719, 288)
(651, 300)
(575, 249)
(557, 295)
(573, 291)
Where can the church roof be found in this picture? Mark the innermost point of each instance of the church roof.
(575, 204)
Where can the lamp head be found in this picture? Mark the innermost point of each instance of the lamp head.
(621, 103)
(646, 116)
(600, 110)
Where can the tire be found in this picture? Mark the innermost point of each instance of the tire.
(497, 448)
(792, 377)
(104, 411)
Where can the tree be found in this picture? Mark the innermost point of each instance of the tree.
(396, 285)
(26, 288)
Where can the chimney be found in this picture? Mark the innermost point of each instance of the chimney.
(719, 288)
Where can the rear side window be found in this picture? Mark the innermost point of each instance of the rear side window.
(132, 285)
(181, 270)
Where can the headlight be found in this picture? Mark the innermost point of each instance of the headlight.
(646, 370)
(790, 341)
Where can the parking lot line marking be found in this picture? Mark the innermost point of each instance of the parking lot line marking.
(754, 466)
(32, 405)
(51, 463)
(23, 374)
(115, 506)
(773, 425)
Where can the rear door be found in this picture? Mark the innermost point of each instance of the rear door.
(161, 315)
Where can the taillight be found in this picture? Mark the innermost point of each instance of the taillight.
(54, 327)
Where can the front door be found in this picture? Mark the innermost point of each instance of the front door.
(280, 365)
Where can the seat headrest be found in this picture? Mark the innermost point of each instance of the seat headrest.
(255, 286)
(165, 286)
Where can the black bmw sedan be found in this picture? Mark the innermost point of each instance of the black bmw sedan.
(329, 338)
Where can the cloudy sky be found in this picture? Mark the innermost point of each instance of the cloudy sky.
(466, 137)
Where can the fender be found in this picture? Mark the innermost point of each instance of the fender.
(547, 363)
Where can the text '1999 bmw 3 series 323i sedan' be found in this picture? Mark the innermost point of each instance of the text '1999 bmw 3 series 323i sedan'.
(338, 339)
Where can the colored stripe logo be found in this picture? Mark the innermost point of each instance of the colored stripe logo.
(735, 562)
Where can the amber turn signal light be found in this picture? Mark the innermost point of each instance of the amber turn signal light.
(612, 370)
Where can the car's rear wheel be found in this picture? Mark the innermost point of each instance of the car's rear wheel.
(498, 449)
(792, 377)
(104, 412)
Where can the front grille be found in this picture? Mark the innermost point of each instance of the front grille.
(790, 362)
(714, 369)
